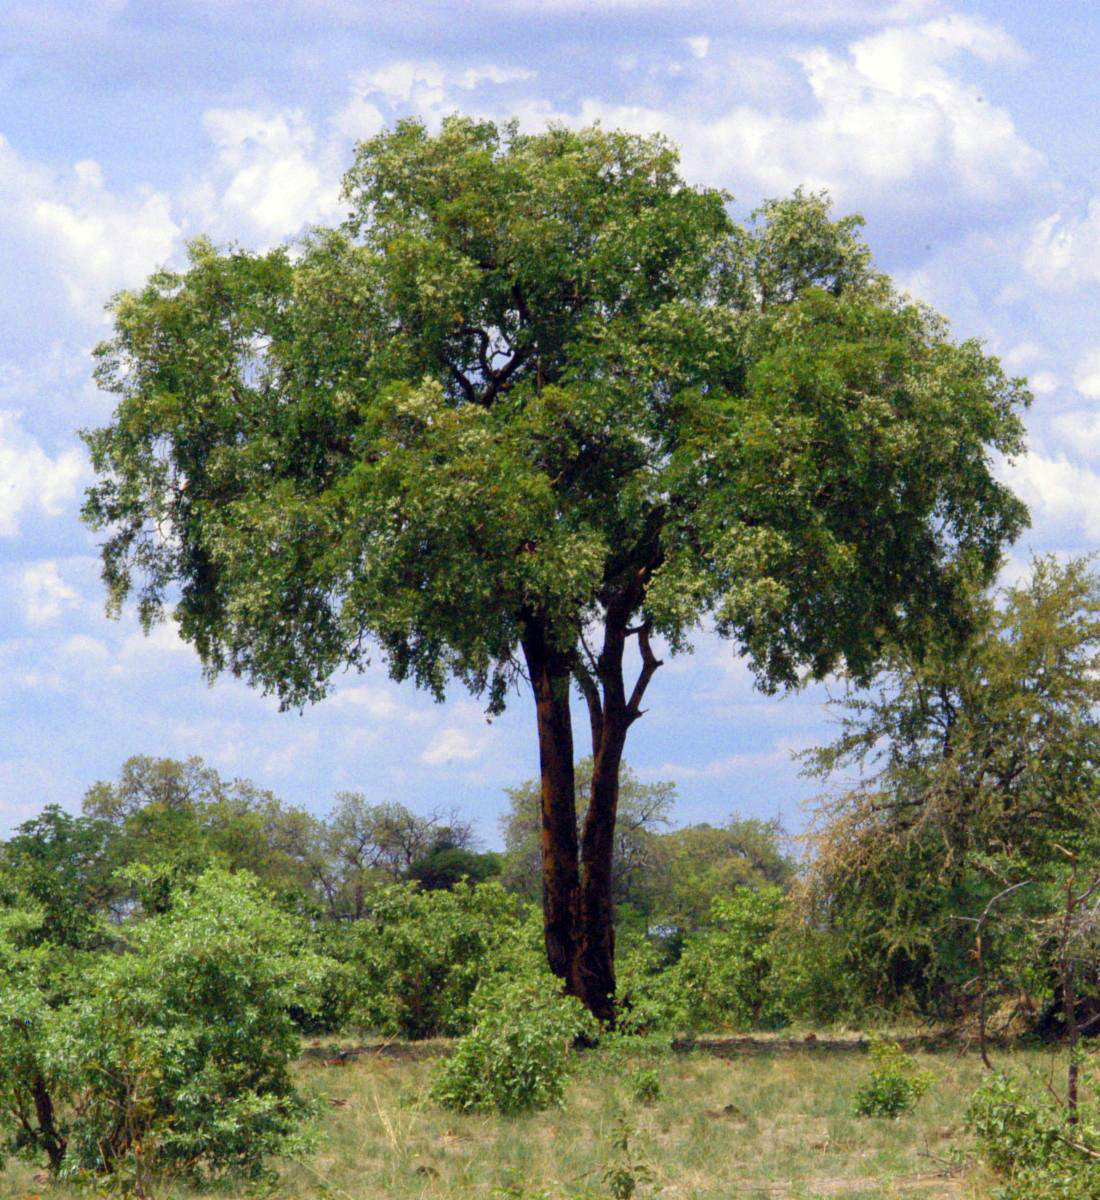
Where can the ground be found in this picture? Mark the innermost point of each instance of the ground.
(736, 1118)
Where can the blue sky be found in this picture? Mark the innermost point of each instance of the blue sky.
(966, 135)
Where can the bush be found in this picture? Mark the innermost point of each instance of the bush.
(1025, 1139)
(895, 1084)
(419, 956)
(645, 1085)
(175, 1058)
(516, 1057)
(723, 978)
(646, 1000)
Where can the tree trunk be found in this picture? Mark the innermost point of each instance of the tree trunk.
(578, 916)
(551, 681)
(47, 1128)
(596, 926)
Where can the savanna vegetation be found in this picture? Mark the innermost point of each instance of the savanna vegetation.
(535, 403)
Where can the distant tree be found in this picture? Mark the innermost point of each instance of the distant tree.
(642, 810)
(447, 865)
(700, 863)
(178, 817)
(980, 769)
(367, 844)
(535, 403)
(63, 866)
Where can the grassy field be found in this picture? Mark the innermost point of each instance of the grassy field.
(744, 1119)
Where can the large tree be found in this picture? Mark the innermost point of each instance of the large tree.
(535, 402)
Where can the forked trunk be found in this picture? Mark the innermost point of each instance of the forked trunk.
(578, 917)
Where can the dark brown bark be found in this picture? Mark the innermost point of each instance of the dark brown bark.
(47, 1127)
(550, 680)
(578, 914)
(611, 714)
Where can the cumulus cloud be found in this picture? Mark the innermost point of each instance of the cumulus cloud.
(1063, 496)
(96, 239)
(45, 594)
(890, 119)
(30, 479)
(1064, 250)
(699, 46)
(455, 744)
(422, 86)
(1087, 376)
(270, 175)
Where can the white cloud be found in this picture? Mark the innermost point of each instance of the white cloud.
(95, 239)
(143, 649)
(699, 46)
(778, 756)
(890, 121)
(269, 174)
(45, 594)
(81, 645)
(1087, 376)
(1064, 252)
(29, 478)
(455, 744)
(422, 86)
(1059, 493)
(1080, 429)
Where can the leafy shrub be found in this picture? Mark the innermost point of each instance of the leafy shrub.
(645, 1085)
(646, 1000)
(419, 956)
(1026, 1140)
(516, 1057)
(723, 978)
(895, 1084)
(175, 1058)
(624, 1170)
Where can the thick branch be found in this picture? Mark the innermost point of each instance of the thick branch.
(466, 386)
(591, 692)
(650, 663)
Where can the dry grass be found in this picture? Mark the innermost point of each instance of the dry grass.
(764, 1121)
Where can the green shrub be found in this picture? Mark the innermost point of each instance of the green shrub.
(175, 1057)
(419, 956)
(1026, 1140)
(516, 1057)
(723, 978)
(646, 1000)
(645, 1085)
(895, 1084)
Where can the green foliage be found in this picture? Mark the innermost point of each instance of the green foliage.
(548, 343)
(175, 1056)
(723, 978)
(447, 865)
(698, 862)
(645, 1085)
(516, 1057)
(980, 768)
(419, 956)
(624, 1170)
(1025, 1138)
(895, 1083)
(533, 385)
(64, 867)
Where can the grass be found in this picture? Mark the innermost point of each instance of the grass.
(744, 1120)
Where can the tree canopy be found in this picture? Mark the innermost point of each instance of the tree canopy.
(979, 771)
(535, 398)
